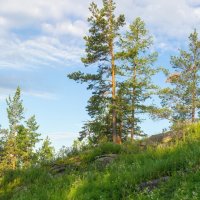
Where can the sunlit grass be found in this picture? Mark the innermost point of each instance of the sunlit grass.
(119, 180)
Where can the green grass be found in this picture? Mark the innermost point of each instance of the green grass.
(117, 181)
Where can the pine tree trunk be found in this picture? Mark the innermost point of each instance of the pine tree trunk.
(11, 151)
(132, 134)
(120, 129)
(111, 48)
(113, 97)
(194, 94)
(133, 104)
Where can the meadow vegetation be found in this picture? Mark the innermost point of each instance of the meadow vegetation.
(120, 179)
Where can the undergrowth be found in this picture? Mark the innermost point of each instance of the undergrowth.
(119, 180)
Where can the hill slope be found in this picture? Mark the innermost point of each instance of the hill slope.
(124, 172)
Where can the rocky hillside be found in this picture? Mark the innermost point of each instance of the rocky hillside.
(144, 170)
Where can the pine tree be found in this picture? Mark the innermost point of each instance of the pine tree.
(26, 139)
(138, 87)
(23, 147)
(46, 152)
(63, 152)
(15, 115)
(15, 110)
(18, 142)
(32, 128)
(100, 50)
(182, 98)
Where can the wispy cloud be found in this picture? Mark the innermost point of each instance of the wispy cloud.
(6, 92)
(39, 52)
(50, 21)
(78, 28)
(41, 95)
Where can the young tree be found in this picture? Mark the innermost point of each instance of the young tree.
(15, 110)
(138, 87)
(46, 152)
(26, 139)
(63, 152)
(18, 141)
(100, 50)
(15, 115)
(183, 97)
(23, 150)
(32, 128)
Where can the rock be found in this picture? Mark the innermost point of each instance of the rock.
(167, 139)
(143, 144)
(150, 185)
(61, 168)
(164, 138)
(106, 159)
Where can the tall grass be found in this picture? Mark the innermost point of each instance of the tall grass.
(117, 181)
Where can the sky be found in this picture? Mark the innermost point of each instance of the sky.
(41, 41)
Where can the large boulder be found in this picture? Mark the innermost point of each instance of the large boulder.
(105, 159)
(161, 139)
(61, 168)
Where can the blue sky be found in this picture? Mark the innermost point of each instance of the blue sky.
(41, 42)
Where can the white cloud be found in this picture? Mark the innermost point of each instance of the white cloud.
(38, 52)
(3, 22)
(5, 92)
(48, 22)
(172, 19)
(194, 3)
(76, 28)
(40, 10)
(41, 95)
(169, 16)
(32, 32)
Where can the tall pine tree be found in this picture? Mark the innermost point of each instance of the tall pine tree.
(15, 113)
(182, 98)
(100, 50)
(137, 87)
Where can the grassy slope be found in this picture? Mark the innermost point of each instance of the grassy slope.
(119, 180)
